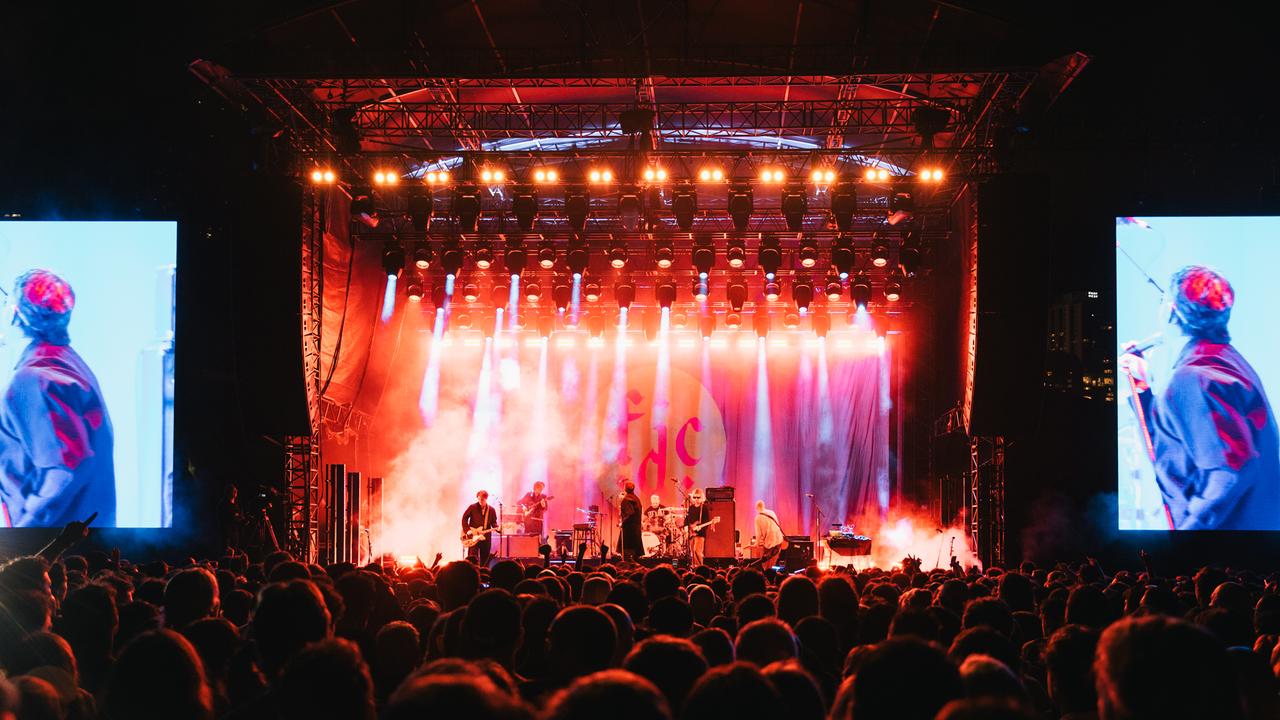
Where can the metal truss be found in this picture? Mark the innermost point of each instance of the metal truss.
(302, 482)
(986, 498)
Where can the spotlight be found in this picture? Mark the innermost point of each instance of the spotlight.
(625, 293)
(664, 253)
(542, 175)
(618, 254)
(740, 205)
(462, 321)
(466, 207)
(414, 291)
(650, 324)
(701, 288)
(733, 320)
(860, 291)
(772, 290)
(711, 174)
(318, 176)
(577, 206)
(629, 207)
(704, 255)
(524, 205)
(909, 260)
(392, 257)
(329, 177)
(707, 325)
(501, 293)
(774, 176)
(665, 292)
(834, 288)
(600, 176)
(547, 255)
(802, 293)
(879, 252)
(737, 294)
(363, 207)
(451, 258)
(419, 207)
(821, 176)
(842, 256)
(929, 121)
(736, 253)
(483, 255)
(561, 294)
(386, 177)
(532, 291)
(493, 176)
(591, 290)
(434, 177)
(422, 256)
(762, 321)
(821, 324)
(791, 321)
(577, 258)
(795, 202)
(892, 290)
(516, 258)
(470, 292)
(684, 205)
(769, 256)
(546, 324)
(901, 205)
(655, 174)
(876, 174)
(808, 253)
(595, 326)
(437, 294)
(844, 202)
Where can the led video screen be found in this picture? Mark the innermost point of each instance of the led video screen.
(86, 373)
(1195, 320)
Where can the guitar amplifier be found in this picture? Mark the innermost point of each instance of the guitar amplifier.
(799, 552)
(520, 546)
(720, 537)
(720, 493)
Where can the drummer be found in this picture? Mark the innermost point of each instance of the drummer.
(653, 514)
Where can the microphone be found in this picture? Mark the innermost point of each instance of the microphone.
(1138, 347)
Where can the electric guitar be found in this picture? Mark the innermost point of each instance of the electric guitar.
(524, 511)
(695, 528)
(472, 537)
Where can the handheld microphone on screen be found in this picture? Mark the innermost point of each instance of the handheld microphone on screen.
(1147, 344)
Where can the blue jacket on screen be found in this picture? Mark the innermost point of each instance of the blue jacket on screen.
(53, 416)
(1217, 451)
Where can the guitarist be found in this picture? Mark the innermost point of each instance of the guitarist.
(769, 535)
(479, 518)
(533, 506)
(698, 519)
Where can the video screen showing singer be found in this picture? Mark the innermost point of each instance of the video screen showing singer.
(56, 443)
(1213, 436)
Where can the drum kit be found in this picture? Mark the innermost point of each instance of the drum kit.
(664, 534)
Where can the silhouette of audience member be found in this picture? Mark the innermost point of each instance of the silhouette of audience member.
(615, 694)
(159, 675)
(397, 650)
(903, 679)
(716, 646)
(1068, 660)
(798, 689)
(326, 679)
(288, 616)
(1158, 667)
(456, 584)
(765, 641)
(673, 665)
(738, 691)
(471, 696)
(190, 595)
(492, 627)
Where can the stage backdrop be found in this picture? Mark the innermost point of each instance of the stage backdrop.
(796, 422)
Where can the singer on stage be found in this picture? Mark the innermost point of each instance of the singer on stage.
(1216, 448)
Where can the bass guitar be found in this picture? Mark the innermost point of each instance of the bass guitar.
(713, 521)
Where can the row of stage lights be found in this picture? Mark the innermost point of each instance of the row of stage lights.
(603, 176)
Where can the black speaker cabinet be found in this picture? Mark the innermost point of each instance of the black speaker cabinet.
(720, 536)
(799, 552)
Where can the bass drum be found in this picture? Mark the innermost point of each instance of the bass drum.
(652, 543)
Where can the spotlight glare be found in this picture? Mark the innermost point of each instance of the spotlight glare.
(432, 177)
(540, 176)
(870, 174)
(329, 177)
(499, 176)
(704, 175)
(486, 175)
(317, 176)
(649, 174)
(882, 174)
(662, 174)
(443, 176)
(594, 176)
(606, 175)
(816, 176)
(829, 176)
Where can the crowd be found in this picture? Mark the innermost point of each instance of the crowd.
(95, 636)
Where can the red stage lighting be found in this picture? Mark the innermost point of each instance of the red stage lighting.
(802, 293)
(532, 291)
(821, 324)
(618, 254)
(860, 291)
